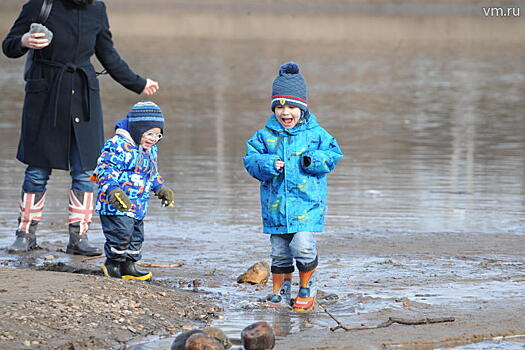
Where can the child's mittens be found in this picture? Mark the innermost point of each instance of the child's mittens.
(166, 196)
(40, 28)
(119, 200)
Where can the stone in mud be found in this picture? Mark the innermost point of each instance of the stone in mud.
(180, 341)
(219, 335)
(258, 273)
(202, 341)
(196, 340)
(258, 336)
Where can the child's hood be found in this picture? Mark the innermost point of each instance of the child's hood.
(309, 121)
(121, 129)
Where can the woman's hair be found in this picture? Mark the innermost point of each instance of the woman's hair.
(83, 2)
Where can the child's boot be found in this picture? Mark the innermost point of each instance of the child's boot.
(307, 291)
(129, 271)
(282, 288)
(111, 268)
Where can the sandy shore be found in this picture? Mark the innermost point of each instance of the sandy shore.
(55, 310)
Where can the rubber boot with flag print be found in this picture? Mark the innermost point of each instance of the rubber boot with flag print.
(80, 213)
(31, 208)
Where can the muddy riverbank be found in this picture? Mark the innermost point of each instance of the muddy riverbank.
(479, 280)
(55, 310)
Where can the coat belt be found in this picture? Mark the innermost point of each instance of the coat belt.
(70, 68)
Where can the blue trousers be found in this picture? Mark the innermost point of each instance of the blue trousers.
(35, 179)
(124, 237)
(300, 246)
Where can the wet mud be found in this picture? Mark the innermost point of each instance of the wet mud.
(425, 212)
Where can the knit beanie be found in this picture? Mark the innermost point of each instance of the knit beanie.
(289, 87)
(142, 117)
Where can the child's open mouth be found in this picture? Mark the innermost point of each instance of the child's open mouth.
(287, 121)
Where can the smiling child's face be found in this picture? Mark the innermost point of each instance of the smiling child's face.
(287, 115)
(150, 138)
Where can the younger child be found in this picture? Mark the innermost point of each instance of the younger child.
(126, 173)
(291, 157)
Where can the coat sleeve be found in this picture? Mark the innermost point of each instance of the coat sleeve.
(109, 167)
(323, 160)
(110, 59)
(257, 162)
(12, 45)
(157, 182)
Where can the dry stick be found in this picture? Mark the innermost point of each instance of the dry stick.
(391, 320)
(139, 264)
(157, 265)
(93, 257)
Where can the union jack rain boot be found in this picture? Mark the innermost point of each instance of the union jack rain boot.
(80, 212)
(31, 207)
(282, 288)
(307, 291)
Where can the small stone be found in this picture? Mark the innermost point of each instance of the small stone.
(27, 343)
(180, 341)
(258, 336)
(258, 273)
(202, 341)
(218, 334)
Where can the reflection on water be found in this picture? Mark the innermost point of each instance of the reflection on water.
(433, 136)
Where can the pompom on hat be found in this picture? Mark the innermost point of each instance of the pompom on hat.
(289, 87)
(142, 117)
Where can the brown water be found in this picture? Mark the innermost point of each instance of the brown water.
(428, 108)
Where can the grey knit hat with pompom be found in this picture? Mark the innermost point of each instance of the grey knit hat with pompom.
(289, 87)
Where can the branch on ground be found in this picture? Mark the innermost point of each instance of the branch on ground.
(389, 322)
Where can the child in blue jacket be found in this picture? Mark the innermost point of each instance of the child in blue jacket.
(291, 157)
(126, 173)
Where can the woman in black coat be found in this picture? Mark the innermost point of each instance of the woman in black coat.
(62, 125)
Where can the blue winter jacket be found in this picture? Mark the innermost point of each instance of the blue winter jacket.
(293, 199)
(123, 165)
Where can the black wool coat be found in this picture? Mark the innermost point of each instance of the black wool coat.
(62, 99)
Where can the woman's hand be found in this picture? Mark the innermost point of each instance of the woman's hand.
(151, 87)
(34, 41)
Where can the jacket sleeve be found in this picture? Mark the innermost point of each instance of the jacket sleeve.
(12, 45)
(157, 182)
(109, 167)
(110, 59)
(257, 162)
(323, 160)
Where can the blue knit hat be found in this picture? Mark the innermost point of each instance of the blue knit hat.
(289, 87)
(142, 117)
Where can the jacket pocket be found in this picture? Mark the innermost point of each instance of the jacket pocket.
(37, 85)
(34, 108)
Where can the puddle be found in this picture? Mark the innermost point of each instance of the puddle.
(510, 343)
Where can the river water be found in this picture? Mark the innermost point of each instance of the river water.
(430, 117)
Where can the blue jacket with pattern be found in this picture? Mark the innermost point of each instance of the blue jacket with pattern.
(293, 199)
(123, 165)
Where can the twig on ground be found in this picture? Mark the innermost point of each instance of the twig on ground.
(389, 322)
(93, 257)
(157, 265)
(139, 264)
